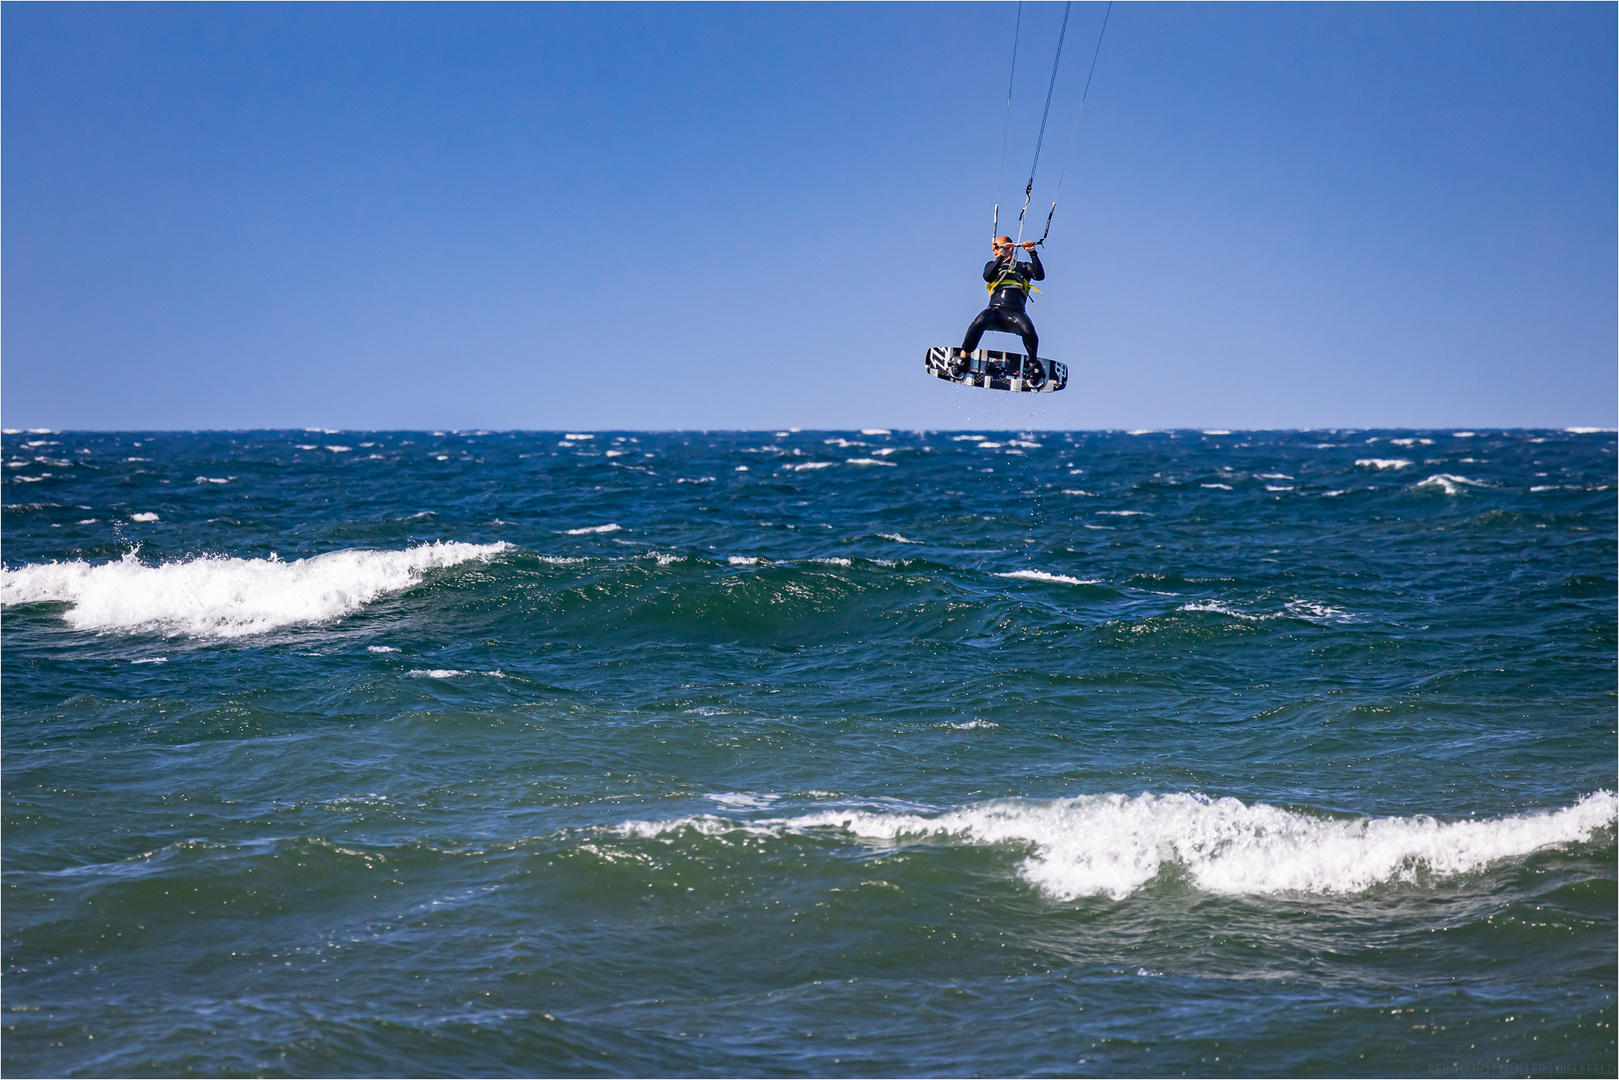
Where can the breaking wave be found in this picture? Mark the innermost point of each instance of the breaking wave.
(1112, 845)
(1449, 483)
(1055, 579)
(218, 597)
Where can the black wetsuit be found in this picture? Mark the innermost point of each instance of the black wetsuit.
(1005, 311)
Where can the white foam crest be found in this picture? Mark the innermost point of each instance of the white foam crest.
(220, 597)
(871, 461)
(897, 538)
(875, 431)
(1450, 483)
(1314, 611)
(1305, 610)
(1381, 463)
(610, 527)
(1055, 579)
(1114, 844)
(810, 465)
(450, 673)
(741, 801)
(1222, 609)
(1587, 430)
(744, 560)
(706, 824)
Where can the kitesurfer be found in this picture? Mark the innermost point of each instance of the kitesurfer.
(1009, 283)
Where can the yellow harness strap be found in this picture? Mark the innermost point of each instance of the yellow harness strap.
(1010, 280)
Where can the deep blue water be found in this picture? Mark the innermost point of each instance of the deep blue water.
(809, 753)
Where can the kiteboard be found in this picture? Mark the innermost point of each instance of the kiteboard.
(996, 370)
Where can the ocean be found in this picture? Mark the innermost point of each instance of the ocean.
(809, 753)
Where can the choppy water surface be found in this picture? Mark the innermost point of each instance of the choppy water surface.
(798, 753)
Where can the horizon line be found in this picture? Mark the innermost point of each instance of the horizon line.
(777, 431)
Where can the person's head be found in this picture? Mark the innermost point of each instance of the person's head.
(1003, 247)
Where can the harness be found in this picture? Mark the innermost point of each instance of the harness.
(1011, 278)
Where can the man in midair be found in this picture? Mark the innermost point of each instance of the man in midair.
(1009, 283)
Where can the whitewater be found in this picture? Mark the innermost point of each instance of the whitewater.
(875, 753)
(219, 596)
(1112, 845)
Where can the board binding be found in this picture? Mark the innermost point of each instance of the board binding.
(996, 370)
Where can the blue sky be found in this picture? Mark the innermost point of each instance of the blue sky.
(751, 216)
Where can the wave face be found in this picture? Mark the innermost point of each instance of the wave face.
(875, 753)
(220, 597)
